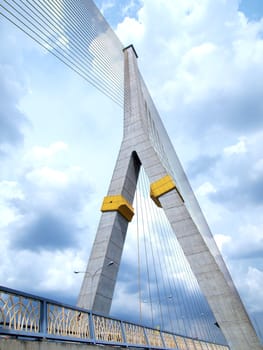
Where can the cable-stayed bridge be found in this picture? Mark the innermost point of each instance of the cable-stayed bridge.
(175, 252)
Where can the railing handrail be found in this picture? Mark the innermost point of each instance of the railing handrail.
(43, 328)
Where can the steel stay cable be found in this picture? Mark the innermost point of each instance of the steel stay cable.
(27, 12)
(72, 14)
(147, 211)
(42, 32)
(184, 291)
(177, 297)
(97, 34)
(164, 299)
(139, 195)
(168, 235)
(199, 301)
(77, 9)
(63, 59)
(189, 276)
(67, 63)
(165, 239)
(138, 255)
(168, 279)
(189, 271)
(168, 268)
(186, 305)
(166, 232)
(74, 42)
(163, 272)
(198, 297)
(160, 227)
(190, 305)
(152, 206)
(44, 43)
(54, 48)
(205, 310)
(145, 252)
(80, 35)
(175, 248)
(161, 240)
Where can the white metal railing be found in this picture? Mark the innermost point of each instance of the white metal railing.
(32, 316)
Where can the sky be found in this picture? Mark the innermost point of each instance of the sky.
(59, 138)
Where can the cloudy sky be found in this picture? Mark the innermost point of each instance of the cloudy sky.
(59, 139)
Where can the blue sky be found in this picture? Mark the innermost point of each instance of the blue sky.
(203, 65)
(253, 9)
(116, 11)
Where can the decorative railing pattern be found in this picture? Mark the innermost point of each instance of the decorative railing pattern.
(154, 338)
(27, 315)
(134, 334)
(107, 329)
(169, 340)
(19, 312)
(67, 322)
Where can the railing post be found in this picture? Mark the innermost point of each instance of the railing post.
(194, 344)
(91, 327)
(43, 318)
(162, 338)
(174, 338)
(146, 337)
(123, 334)
(206, 346)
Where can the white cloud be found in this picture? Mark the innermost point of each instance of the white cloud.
(254, 282)
(221, 240)
(240, 147)
(205, 189)
(248, 243)
(59, 275)
(130, 30)
(194, 67)
(106, 5)
(48, 177)
(249, 283)
(42, 153)
(258, 168)
(55, 277)
(128, 7)
(121, 296)
(9, 191)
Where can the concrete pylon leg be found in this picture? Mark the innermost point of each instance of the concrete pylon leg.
(142, 144)
(222, 297)
(99, 280)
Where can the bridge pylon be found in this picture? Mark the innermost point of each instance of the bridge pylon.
(145, 142)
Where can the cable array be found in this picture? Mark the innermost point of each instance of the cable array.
(184, 307)
(168, 292)
(77, 34)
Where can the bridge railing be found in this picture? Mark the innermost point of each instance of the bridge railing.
(27, 315)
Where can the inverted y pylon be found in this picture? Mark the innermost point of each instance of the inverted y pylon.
(145, 142)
